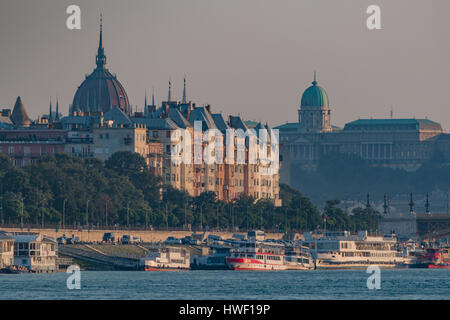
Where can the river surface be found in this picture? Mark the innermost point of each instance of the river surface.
(216, 285)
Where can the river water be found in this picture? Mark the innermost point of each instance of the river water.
(216, 285)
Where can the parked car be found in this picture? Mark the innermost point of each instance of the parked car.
(127, 239)
(137, 240)
(172, 240)
(109, 237)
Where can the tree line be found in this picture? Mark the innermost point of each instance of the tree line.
(64, 191)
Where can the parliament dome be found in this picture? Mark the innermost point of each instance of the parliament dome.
(100, 91)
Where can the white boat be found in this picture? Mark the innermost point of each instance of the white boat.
(298, 258)
(257, 255)
(254, 254)
(166, 259)
(335, 250)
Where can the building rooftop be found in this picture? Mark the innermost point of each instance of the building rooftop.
(412, 123)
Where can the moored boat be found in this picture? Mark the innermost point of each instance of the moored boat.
(343, 250)
(166, 259)
(433, 258)
(257, 255)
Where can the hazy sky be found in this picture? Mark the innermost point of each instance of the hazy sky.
(253, 57)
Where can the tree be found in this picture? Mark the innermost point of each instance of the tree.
(126, 163)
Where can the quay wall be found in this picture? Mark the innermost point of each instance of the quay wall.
(145, 235)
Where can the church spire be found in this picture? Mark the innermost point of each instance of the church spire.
(153, 96)
(145, 104)
(50, 113)
(57, 110)
(169, 96)
(184, 91)
(101, 58)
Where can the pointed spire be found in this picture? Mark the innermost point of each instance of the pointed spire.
(169, 96)
(50, 113)
(145, 104)
(427, 205)
(153, 96)
(57, 110)
(184, 91)
(385, 204)
(101, 58)
(315, 81)
(19, 115)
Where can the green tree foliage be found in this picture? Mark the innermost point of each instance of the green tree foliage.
(124, 192)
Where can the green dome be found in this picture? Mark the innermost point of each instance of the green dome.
(314, 96)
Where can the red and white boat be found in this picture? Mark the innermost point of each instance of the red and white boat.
(433, 258)
(256, 255)
(260, 255)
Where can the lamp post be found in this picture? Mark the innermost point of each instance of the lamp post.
(43, 212)
(232, 217)
(217, 212)
(87, 212)
(106, 213)
(64, 214)
(167, 218)
(185, 217)
(128, 215)
(21, 213)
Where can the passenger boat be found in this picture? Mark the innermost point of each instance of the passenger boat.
(433, 258)
(298, 258)
(257, 255)
(335, 250)
(261, 255)
(166, 259)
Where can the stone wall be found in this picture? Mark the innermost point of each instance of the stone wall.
(146, 236)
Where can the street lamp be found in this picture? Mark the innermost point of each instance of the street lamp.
(185, 218)
(64, 214)
(87, 212)
(43, 202)
(21, 214)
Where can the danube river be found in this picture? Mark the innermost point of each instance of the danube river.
(192, 285)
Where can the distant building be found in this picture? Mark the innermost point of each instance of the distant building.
(396, 143)
(24, 146)
(101, 122)
(100, 91)
(110, 139)
(35, 251)
(405, 227)
(6, 250)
